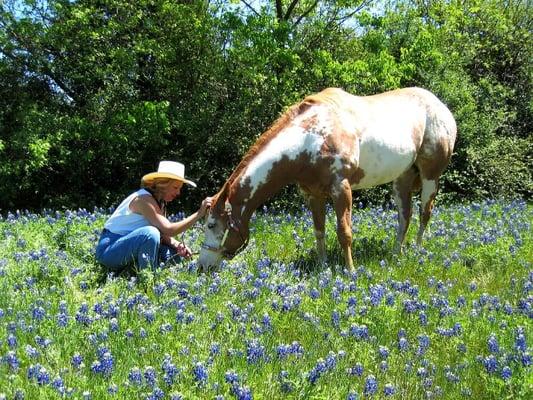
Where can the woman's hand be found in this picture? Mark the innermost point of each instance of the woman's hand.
(206, 204)
(181, 248)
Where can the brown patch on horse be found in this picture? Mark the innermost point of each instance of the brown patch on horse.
(418, 134)
(282, 122)
(432, 168)
(309, 123)
(356, 176)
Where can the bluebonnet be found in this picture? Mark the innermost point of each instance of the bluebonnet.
(335, 318)
(285, 350)
(389, 389)
(112, 389)
(170, 370)
(383, 352)
(231, 377)
(242, 392)
(157, 394)
(490, 363)
(520, 341)
(492, 343)
(255, 351)
(62, 320)
(31, 351)
(506, 373)
(371, 385)
(38, 313)
(135, 376)
(403, 344)
(11, 341)
(39, 373)
(58, 385)
(356, 370)
(360, 332)
(76, 360)
(150, 376)
(12, 360)
(200, 373)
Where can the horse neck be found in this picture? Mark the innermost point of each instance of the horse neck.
(262, 178)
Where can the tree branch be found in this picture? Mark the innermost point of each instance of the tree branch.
(290, 9)
(306, 13)
(279, 10)
(250, 7)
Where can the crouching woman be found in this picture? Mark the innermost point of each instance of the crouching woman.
(138, 232)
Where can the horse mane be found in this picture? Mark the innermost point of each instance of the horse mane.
(263, 140)
(328, 96)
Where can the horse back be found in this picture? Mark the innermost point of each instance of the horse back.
(383, 135)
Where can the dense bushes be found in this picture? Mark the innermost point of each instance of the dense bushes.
(93, 95)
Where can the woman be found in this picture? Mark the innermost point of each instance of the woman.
(138, 232)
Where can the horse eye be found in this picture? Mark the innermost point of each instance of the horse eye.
(210, 225)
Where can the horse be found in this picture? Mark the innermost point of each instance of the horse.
(331, 143)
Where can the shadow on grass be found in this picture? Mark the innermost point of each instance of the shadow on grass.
(364, 251)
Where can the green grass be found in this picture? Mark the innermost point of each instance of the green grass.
(284, 326)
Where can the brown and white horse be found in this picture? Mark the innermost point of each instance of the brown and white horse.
(331, 143)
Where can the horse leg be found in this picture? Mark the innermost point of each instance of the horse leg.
(318, 209)
(342, 202)
(403, 188)
(427, 198)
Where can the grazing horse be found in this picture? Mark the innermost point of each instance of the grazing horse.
(329, 144)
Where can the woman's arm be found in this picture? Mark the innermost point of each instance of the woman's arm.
(148, 207)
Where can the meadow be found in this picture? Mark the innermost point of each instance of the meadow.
(450, 320)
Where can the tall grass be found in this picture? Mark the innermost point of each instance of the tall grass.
(450, 320)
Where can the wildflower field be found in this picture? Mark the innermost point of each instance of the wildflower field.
(451, 320)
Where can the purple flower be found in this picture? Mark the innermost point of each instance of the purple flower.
(506, 373)
(12, 360)
(135, 376)
(150, 376)
(255, 351)
(242, 392)
(76, 360)
(11, 341)
(371, 385)
(356, 370)
(360, 332)
(200, 373)
(389, 389)
(492, 343)
(491, 364)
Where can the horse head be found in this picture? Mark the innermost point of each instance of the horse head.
(225, 233)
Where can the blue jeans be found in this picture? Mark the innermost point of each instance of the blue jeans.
(141, 248)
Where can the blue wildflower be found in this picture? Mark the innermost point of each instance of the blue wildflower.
(506, 373)
(491, 364)
(135, 376)
(371, 385)
(492, 343)
(200, 373)
(389, 389)
(150, 376)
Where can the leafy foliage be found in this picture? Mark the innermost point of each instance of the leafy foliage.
(94, 94)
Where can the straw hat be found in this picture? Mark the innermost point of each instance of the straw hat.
(168, 169)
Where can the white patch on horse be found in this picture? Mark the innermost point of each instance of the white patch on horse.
(387, 148)
(290, 142)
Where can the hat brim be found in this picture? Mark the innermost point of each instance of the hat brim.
(153, 175)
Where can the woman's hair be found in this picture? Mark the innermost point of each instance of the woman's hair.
(157, 186)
